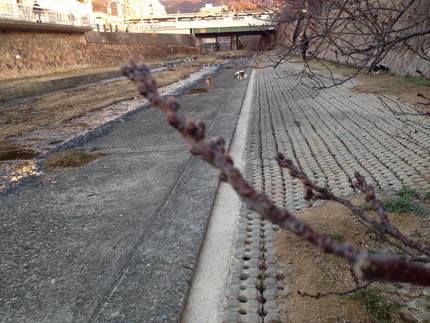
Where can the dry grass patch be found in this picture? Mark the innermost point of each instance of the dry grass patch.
(11, 151)
(311, 271)
(405, 88)
(64, 106)
(197, 90)
(71, 158)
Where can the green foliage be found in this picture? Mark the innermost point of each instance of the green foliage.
(400, 204)
(418, 80)
(375, 304)
(403, 202)
(408, 192)
(427, 196)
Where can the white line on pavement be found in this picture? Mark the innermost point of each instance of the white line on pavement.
(207, 293)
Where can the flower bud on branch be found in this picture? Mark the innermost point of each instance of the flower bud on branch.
(365, 265)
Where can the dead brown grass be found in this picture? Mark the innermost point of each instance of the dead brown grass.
(312, 271)
(71, 158)
(388, 84)
(64, 106)
(10, 151)
(197, 90)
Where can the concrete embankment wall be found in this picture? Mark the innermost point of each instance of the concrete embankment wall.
(401, 60)
(29, 53)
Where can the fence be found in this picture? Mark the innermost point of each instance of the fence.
(21, 12)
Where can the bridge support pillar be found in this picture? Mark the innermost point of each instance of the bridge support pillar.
(217, 45)
(238, 43)
(233, 42)
(266, 41)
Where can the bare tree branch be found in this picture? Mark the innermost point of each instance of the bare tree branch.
(366, 265)
(321, 295)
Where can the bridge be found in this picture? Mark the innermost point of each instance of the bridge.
(202, 26)
(232, 31)
(199, 24)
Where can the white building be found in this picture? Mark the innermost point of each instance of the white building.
(210, 9)
(139, 9)
(74, 12)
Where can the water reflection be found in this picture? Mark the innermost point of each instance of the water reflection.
(42, 140)
(16, 171)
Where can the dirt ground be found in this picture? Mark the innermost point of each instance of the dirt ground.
(402, 87)
(77, 72)
(63, 106)
(310, 271)
(32, 126)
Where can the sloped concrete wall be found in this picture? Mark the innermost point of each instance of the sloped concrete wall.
(140, 38)
(26, 53)
(400, 60)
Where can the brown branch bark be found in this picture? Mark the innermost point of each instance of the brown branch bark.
(321, 295)
(366, 265)
(323, 193)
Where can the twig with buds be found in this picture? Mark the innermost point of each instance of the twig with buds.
(367, 266)
(384, 226)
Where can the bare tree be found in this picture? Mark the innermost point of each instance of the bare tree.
(360, 33)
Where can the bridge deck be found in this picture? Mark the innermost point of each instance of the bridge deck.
(243, 30)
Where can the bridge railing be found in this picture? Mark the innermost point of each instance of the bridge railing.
(21, 12)
(181, 24)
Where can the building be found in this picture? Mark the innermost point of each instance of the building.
(141, 9)
(73, 12)
(210, 9)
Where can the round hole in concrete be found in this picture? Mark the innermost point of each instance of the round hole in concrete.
(244, 276)
(246, 258)
(242, 298)
(247, 249)
(242, 287)
(245, 267)
(242, 311)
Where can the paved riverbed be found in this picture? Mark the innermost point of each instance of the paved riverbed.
(330, 134)
(118, 239)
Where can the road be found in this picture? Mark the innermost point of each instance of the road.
(116, 240)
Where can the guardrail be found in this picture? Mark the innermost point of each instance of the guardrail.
(187, 25)
(20, 12)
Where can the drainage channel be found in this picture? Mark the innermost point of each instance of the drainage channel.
(207, 293)
(252, 287)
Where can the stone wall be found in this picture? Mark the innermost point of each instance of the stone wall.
(26, 53)
(400, 59)
(140, 38)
